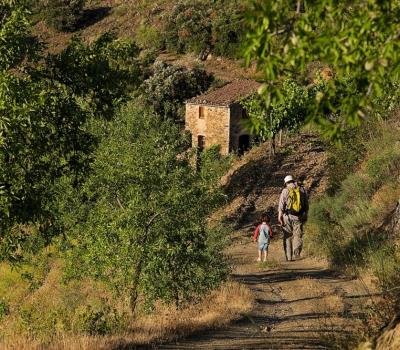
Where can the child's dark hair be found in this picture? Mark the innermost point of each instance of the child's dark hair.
(264, 217)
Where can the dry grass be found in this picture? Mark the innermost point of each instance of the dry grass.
(390, 340)
(166, 323)
(385, 200)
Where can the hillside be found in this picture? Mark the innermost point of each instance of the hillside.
(124, 19)
(117, 16)
(299, 305)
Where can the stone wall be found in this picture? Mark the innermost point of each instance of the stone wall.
(215, 126)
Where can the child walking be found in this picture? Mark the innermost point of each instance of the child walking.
(263, 235)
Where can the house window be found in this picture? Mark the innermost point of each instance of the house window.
(201, 112)
(201, 142)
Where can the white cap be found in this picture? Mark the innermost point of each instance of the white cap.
(288, 178)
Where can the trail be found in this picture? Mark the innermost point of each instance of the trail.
(298, 305)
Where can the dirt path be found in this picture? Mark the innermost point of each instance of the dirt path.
(301, 304)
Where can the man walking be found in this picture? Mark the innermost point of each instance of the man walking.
(292, 213)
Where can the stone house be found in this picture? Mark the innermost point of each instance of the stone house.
(214, 118)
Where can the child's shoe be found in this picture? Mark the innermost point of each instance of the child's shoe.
(258, 259)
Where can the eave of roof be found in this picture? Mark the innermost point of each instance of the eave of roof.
(226, 95)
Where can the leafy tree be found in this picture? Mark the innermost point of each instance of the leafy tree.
(143, 227)
(17, 44)
(45, 136)
(64, 15)
(188, 27)
(358, 39)
(206, 26)
(170, 85)
(103, 73)
(287, 114)
(228, 27)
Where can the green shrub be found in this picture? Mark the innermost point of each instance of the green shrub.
(228, 28)
(196, 26)
(188, 27)
(149, 37)
(98, 320)
(144, 230)
(64, 15)
(169, 86)
(345, 225)
(41, 322)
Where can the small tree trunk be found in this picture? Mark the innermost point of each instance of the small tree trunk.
(135, 284)
(280, 137)
(139, 266)
(272, 147)
(298, 7)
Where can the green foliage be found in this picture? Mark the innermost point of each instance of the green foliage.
(201, 26)
(149, 37)
(102, 73)
(45, 106)
(228, 27)
(289, 113)
(355, 142)
(64, 15)
(143, 228)
(358, 39)
(170, 85)
(16, 42)
(188, 27)
(43, 138)
(101, 319)
(346, 225)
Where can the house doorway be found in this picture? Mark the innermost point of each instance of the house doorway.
(244, 144)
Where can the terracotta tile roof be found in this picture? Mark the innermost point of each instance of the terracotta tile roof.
(228, 94)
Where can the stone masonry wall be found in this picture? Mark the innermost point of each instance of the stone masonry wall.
(215, 126)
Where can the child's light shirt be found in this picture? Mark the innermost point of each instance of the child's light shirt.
(264, 233)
